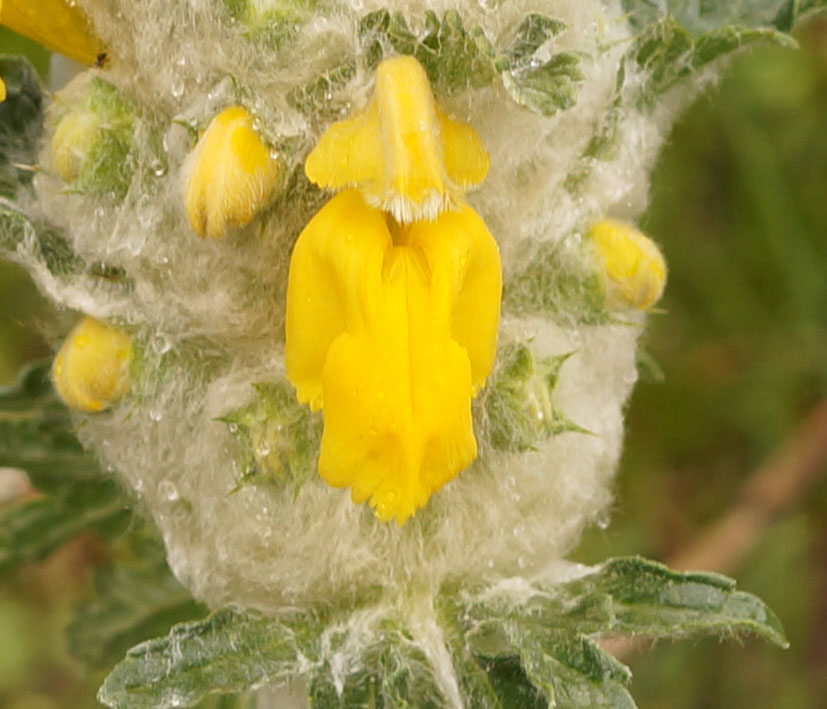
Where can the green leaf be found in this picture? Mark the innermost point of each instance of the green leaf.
(324, 98)
(36, 436)
(20, 236)
(457, 59)
(21, 122)
(133, 602)
(648, 598)
(534, 31)
(33, 529)
(669, 53)
(36, 433)
(395, 674)
(18, 232)
(227, 653)
(451, 56)
(703, 16)
(279, 437)
(638, 596)
(573, 672)
(548, 88)
(551, 631)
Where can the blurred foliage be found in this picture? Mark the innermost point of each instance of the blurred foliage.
(739, 208)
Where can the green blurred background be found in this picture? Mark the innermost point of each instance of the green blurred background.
(739, 205)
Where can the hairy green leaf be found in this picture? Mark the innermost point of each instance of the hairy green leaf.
(227, 653)
(31, 530)
(133, 601)
(36, 437)
(668, 53)
(703, 16)
(394, 674)
(21, 122)
(36, 433)
(457, 59)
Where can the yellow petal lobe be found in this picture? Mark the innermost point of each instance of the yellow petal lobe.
(634, 268)
(377, 334)
(58, 25)
(402, 152)
(231, 175)
(91, 369)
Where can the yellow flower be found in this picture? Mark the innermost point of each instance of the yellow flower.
(231, 174)
(634, 268)
(58, 25)
(402, 152)
(91, 370)
(393, 297)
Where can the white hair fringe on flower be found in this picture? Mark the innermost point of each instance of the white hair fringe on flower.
(357, 295)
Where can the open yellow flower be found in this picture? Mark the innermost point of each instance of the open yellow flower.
(58, 25)
(393, 298)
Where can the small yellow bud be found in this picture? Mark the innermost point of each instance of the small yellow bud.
(91, 370)
(634, 268)
(73, 139)
(230, 175)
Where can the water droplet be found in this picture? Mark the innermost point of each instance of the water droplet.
(168, 491)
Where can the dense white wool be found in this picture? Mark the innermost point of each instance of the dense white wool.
(209, 314)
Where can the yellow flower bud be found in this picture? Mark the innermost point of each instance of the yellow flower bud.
(58, 25)
(91, 370)
(71, 143)
(633, 266)
(230, 175)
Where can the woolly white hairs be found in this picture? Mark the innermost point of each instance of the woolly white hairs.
(209, 315)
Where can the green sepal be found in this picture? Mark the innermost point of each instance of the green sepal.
(558, 282)
(229, 652)
(279, 437)
(518, 401)
(275, 23)
(134, 600)
(21, 123)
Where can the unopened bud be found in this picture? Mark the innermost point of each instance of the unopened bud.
(231, 175)
(91, 370)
